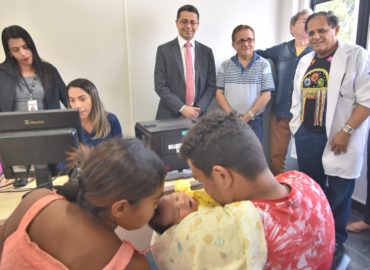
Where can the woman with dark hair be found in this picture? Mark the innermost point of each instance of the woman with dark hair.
(119, 184)
(98, 125)
(26, 81)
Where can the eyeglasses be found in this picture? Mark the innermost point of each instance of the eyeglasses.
(303, 21)
(186, 22)
(242, 41)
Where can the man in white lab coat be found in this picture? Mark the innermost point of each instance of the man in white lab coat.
(330, 107)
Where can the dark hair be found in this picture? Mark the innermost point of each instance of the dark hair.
(239, 28)
(155, 221)
(224, 139)
(120, 168)
(189, 8)
(331, 19)
(98, 115)
(16, 31)
(296, 16)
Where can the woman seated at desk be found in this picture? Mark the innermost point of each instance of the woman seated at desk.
(98, 125)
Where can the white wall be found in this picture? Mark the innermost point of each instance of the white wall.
(361, 183)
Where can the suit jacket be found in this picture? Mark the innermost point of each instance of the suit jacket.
(169, 79)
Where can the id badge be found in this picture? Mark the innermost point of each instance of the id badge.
(32, 105)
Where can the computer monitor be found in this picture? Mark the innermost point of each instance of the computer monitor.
(36, 139)
(164, 137)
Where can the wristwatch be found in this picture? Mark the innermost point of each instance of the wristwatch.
(251, 115)
(348, 129)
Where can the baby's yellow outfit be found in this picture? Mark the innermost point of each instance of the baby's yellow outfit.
(203, 198)
(217, 237)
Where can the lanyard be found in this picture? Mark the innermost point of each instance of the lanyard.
(33, 84)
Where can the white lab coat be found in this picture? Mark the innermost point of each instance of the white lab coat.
(348, 85)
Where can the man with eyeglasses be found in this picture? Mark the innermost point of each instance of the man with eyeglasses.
(330, 107)
(184, 75)
(244, 82)
(285, 58)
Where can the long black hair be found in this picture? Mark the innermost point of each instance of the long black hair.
(11, 64)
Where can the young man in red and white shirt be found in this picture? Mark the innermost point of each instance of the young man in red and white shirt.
(226, 156)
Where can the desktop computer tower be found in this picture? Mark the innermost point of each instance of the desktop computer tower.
(164, 137)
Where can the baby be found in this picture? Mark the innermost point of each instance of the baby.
(209, 236)
(174, 207)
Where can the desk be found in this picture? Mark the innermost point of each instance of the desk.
(10, 200)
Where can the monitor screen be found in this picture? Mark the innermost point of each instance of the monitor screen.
(36, 140)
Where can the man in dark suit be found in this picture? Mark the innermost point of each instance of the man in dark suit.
(171, 75)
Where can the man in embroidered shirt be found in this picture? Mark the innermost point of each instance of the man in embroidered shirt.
(171, 76)
(244, 82)
(330, 107)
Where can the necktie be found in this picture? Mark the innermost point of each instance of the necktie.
(189, 75)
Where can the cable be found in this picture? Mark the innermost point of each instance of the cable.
(12, 189)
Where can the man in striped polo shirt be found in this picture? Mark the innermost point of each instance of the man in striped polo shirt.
(244, 82)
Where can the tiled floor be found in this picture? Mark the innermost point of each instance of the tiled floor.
(357, 247)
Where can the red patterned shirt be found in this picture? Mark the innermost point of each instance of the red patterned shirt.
(299, 228)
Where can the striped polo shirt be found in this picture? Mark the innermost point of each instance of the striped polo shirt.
(242, 86)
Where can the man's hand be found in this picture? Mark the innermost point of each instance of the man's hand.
(340, 142)
(191, 112)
